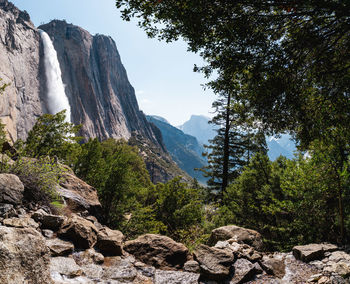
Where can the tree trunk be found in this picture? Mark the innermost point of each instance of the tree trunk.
(226, 147)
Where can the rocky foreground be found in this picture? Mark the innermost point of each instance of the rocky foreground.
(37, 246)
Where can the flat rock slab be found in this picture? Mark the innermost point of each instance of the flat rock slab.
(311, 252)
(175, 277)
(59, 247)
(21, 222)
(65, 266)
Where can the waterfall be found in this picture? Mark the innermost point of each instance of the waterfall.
(56, 96)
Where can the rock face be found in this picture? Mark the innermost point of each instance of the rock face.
(11, 189)
(110, 242)
(23, 256)
(157, 250)
(237, 234)
(20, 67)
(79, 195)
(214, 263)
(100, 95)
(79, 230)
(312, 251)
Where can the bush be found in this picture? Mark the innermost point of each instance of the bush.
(40, 178)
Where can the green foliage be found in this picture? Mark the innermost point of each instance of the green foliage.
(289, 201)
(119, 174)
(40, 178)
(53, 136)
(178, 206)
(2, 135)
(290, 59)
(3, 87)
(233, 146)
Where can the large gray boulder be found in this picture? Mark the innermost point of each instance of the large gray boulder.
(11, 189)
(110, 242)
(214, 263)
(48, 221)
(80, 231)
(237, 234)
(244, 271)
(312, 251)
(157, 250)
(23, 256)
(59, 247)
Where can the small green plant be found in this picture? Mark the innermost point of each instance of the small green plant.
(40, 178)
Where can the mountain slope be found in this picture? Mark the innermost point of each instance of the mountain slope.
(198, 127)
(184, 149)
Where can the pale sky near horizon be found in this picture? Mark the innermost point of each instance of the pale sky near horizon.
(161, 73)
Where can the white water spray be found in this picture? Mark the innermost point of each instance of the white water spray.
(56, 96)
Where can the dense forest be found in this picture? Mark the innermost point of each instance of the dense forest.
(279, 67)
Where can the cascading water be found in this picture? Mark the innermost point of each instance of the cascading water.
(56, 96)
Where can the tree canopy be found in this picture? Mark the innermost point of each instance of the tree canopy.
(291, 58)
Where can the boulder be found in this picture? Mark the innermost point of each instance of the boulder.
(157, 250)
(123, 272)
(48, 221)
(175, 277)
(59, 247)
(7, 210)
(273, 266)
(65, 266)
(78, 195)
(110, 242)
(11, 189)
(23, 256)
(80, 231)
(240, 250)
(237, 234)
(244, 271)
(311, 252)
(192, 266)
(47, 234)
(214, 263)
(89, 256)
(25, 222)
(338, 262)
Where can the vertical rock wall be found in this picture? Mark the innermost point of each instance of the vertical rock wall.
(20, 67)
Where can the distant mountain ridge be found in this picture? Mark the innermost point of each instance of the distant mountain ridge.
(185, 150)
(199, 127)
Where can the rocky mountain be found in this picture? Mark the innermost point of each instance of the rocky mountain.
(97, 86)
(21, 67)
(198, 127)
(183, 148)
(280, 146)
(99, 93)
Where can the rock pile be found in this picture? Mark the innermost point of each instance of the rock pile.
(42, 247)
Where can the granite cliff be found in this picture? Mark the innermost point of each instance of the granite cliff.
(99, 93)
(97, 86)
(20, 54)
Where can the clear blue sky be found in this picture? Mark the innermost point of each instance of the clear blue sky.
(161, 73)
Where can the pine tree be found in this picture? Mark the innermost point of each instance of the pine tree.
(232, 147)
